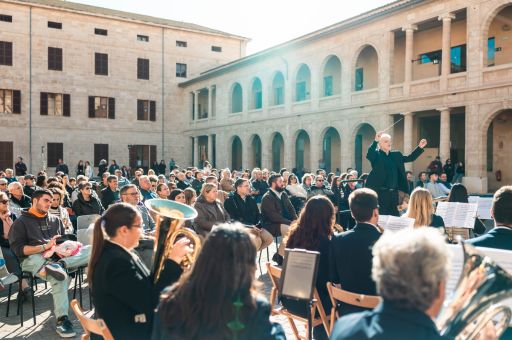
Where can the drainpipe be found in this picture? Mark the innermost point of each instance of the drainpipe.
(163, 92)
(30, 94)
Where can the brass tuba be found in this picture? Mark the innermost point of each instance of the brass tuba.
(478, 298)
(170, 216)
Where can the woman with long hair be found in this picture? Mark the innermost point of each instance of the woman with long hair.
(177, 195)
(421, 208)
(190, 196)
(313, 231)
(89, 171)
(80, 168)
(218, 298)
(121, 285)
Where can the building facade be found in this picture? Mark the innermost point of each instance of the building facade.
(440, 70)
(82, 82)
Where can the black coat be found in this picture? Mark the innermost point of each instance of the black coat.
(20, 169)
(245, 212)
(377, 176)
(3, 241)
(83, 207)
(124, 294)
(351, 261)
(498, 238)
(272, 212)
(108, 197)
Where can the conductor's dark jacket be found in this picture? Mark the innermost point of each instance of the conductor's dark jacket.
(377, 176)
(124, 294)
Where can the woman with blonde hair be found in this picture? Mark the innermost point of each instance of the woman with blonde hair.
(421, 208)
(209, 210)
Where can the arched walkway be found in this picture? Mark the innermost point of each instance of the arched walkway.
(331, 79)
(364, 137)
(277, 152)
(331, 150)
(366, 74)
(302, 151)
(236, 154)
(256, 151)
(236, 98)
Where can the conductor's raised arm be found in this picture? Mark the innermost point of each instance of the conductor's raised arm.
(372, 152)
(416, 152)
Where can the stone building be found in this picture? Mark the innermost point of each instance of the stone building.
(83, 82)
(440, 70)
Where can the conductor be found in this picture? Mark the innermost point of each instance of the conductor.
(388, 171)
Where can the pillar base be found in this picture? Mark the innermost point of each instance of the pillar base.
(475, 185)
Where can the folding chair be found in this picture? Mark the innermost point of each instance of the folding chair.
(339, 295)
(82, 224)
(275, 274)
(89, 325)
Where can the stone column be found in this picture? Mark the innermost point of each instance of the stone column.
(446, 48)
(210, 113)
(408, 144)
(210, 149)
(196, 105)
(409, 50)
(444, 139)
(195, 153)
(266, 151)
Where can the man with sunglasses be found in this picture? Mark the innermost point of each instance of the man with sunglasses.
(19, 200)
(32, 234)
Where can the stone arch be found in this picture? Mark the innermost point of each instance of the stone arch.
(492, 27)
(236, 98)
(256, 152)
(330, 82)
(277, 151)
(256, 94)
(366, 68)
(236, 153)
(331, 149)
(302, 150)
(363, 137)
(302, 83)
(277, 92)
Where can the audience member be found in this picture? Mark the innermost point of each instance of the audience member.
(110, 194)
(86, 203)
(209, 210)
(19, 200)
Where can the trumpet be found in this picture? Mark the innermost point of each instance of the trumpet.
(170, 216)
(478, 298)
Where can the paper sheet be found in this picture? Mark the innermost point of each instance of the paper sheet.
(299, 274)
(454, 214)
(484, 206)
(395, 223)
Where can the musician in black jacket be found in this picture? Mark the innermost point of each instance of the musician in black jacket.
(121, 285)
(242, 207)
(351, 251)
(388, 171)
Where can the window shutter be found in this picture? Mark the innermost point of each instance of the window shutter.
(97, 62)
(139, 68)
(152, 111)
(58, 61)
(44, 104)
(152, 154)
(91, 107)
(140, 109)
(111, 108)
(67, 105)
(16, 101)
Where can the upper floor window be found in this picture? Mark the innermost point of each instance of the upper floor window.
(5, 17)
(181, 70)
(55, 104)
(100, 31)
(216, 49)
(328, 86)
(101, 64)
(146, 110)
(142, 68)
(359, 79)
(458, 58)
(6, 53)
(491, 51)
(142, 38)
(102, 107)
(180, 43)
(55, 58)
(10, 101)
(56, 25)
(55, 152)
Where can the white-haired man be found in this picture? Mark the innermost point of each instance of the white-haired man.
(388, 171)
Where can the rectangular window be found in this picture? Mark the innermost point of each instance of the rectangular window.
(55, 152)
(300, 89)
(180, 43)
(55, 104)
(101, 107)
(56, 25)
(278, 96)
(10, 101)
(327, 86)
(142, 68)
(6, 53)
(359, 79)
(100, 152)
(5, 18)
(458, 58)
(6, 155)
(431, 57)
(146, 110)
(100, 31)
(491, 51)
(101, 64)
(258, 100)
(181, 70)
(216, 49)
(55, 58)
(144, 38)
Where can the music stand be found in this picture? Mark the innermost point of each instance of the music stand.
(298, 278)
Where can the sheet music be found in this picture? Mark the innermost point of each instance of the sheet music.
(455, 214)
(395, 223)
(299, 274)
(484, 206)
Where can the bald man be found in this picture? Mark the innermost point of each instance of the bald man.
(388, 171)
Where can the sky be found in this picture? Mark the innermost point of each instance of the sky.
(265, 22)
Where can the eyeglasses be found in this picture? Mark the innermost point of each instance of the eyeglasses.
(87, 188)
(4, 201)
(137, 225)
(3, 184)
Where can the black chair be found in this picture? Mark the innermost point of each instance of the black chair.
(78, 280)
(32, 280)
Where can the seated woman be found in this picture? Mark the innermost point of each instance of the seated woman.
(123, 290)
(218, 298)
(162, 190)
(298, 194)
(87, 203)
(177, 195)
(421, 208)
(209, 210)
(313, 231)
(459, 193)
